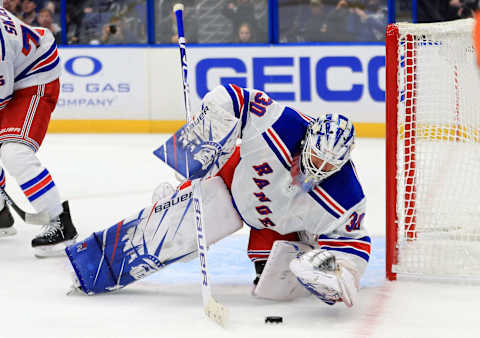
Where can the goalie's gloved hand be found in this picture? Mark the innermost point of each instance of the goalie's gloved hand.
(319, 272)
(320, 259)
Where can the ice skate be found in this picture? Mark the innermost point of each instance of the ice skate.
(56, 235)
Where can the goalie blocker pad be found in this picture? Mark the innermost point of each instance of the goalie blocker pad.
(158, 235)
(202, 146)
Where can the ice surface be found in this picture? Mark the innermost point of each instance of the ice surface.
(108, 177)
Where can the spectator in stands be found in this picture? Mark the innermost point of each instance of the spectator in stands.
(112, 32)
(349, 20)
(314, 27)
(240, 12)
(377, 20)
(357, 20)
(53, 7)
(463, 8)
(45, 19)
(14, 7)
(74, 17)
(95, 15)
(245, 34)
(324, 20)
(29, 14)
(434, 10)
(339, 22)
(133, 14)
(73, 29)
(291, 20)
(122, 30)
(108, 21)
(371, 21)
(442, 10)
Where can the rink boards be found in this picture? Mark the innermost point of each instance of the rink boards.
(113, 89)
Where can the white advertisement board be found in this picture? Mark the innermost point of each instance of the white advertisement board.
(145, 83)
(103, 83)
(346, 78)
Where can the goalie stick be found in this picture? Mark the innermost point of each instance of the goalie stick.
(212, 308)
(40, 218)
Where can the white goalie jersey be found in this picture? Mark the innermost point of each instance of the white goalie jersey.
(263, 190)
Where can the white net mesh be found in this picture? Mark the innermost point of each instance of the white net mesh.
(438, 155)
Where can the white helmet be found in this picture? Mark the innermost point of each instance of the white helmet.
(326, 147)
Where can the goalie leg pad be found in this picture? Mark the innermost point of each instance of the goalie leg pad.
(277, 282)
(158, 235)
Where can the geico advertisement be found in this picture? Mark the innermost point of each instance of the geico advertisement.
(348, 79)
(102, 83)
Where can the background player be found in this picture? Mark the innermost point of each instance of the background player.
(292, 181)
(29, 89)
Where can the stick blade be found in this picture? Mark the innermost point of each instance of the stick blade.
(216, 312)
(41, 218)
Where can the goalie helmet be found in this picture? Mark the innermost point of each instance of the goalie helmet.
(326, 147)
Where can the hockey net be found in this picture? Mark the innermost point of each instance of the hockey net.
(433, 151)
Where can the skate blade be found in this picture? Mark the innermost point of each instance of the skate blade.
(56, 250)
(5, 232)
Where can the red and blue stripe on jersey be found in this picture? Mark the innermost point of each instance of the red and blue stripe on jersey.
(38, 186)
(284, 137)
(339, 192)
(48, 61)
(2, 179)
(360, 247)
(327, 202)
(240, 99)
(278, 147)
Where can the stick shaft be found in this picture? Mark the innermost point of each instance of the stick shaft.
(197, 193)
(183, 61)
(41, 218)
(213, 309)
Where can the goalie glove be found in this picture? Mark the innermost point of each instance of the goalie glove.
(320, 273)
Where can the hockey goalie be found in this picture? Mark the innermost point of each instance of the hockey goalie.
(286, 175)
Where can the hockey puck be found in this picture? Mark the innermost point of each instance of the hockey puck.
(273, 319)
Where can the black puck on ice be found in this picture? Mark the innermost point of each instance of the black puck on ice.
(273, 319)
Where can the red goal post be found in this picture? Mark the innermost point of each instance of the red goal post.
(432, 151)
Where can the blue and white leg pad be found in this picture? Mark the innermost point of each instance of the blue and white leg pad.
(158, 235)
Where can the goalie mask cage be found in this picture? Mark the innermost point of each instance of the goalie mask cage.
(433, 151)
